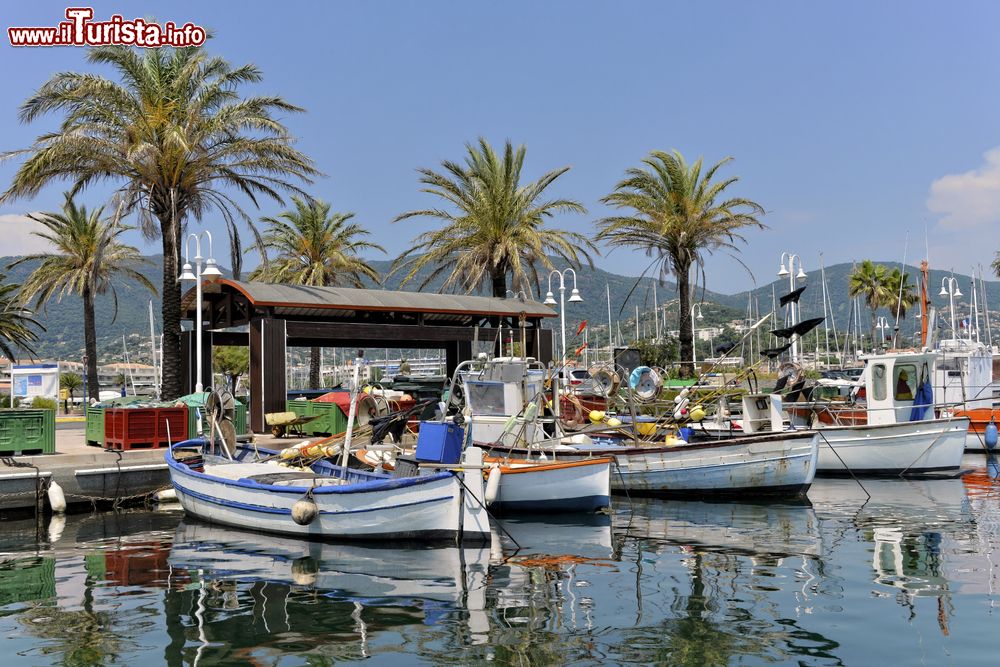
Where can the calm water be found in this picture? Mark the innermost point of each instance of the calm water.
(909, 576)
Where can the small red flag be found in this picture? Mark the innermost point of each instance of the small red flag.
(580, 350)
(583, 325)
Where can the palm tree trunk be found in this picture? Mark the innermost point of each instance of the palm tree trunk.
(684, 333)
(170, 234)
(314, 370)
(499, 279)
(90, 344)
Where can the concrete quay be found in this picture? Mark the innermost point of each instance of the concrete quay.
(86, 474)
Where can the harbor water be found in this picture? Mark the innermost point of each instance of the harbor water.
(898, 572)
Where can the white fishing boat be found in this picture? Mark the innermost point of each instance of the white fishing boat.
(324, 501)
(747, 467)
(527, 486)
(901, 435)
(769, 464)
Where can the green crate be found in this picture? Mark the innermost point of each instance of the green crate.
(331, 419)
(27, 431)
(27, 579)
(95, 426)
(302, 408)
(240, 421)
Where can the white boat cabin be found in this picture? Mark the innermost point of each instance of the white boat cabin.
(964, 374)
(500, 389)
(891, 382)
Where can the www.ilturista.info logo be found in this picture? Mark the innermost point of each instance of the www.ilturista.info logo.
(80, 30)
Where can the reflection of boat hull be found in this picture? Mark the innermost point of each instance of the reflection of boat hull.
(565, 486)
(933, 445)
(369, 506)
(368, 571)
(751, 466)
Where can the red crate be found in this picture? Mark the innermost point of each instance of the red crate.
(144, 428)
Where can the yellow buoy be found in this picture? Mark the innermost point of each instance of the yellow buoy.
(697, 413)
(597, 416)
(646, 428)
(613, 422)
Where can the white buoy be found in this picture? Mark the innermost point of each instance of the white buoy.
(57, 499)
(493, 485)
(165, 496)
(304, 511)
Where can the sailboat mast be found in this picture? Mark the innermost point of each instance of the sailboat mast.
(611, 346)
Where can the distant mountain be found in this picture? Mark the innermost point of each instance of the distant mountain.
(63, 338)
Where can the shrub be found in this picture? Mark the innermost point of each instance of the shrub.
(42, 403)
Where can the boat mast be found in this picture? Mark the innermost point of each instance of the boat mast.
(924, 278)
(611, 346)
(974, 314)
(986, 309)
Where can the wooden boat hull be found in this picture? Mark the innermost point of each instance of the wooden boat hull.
(979, 418)
(369, 507)
(563, 486)
(827, 414)
(747, 467)
(934, 445)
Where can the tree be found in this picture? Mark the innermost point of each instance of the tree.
(231, 362)
(678, 216)
(177, 138)
(87, 255)
(870, 281)
(17, 325)
(996, 265)
(901, 293)
(495, 228)
(315, 247)
(70, 382)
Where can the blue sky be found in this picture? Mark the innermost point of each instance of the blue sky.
(853, 123)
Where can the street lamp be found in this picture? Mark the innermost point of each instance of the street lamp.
(792, 306)
(951, 291)
(199, 275)
(550, 300)
(882, 326)
(694, 339)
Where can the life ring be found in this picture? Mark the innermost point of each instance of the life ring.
(645, 383)
(605, 381)
(570, 413)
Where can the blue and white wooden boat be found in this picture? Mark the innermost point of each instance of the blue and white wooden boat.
(325, 501)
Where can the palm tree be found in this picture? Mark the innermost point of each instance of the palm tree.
(70, 382)
(996, 265)
(678, 216)
(16, 322)
(87, 255)
(870, 280)
(316, 247)
(177, 138)
(901, 294)
(496, 225)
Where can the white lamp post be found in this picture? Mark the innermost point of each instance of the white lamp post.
(951, 291)
(694, 338)
(882, 327)
(792, 307)
(550, 300)
(210, 272)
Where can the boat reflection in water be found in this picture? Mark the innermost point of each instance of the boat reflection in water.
(929, 538)
(272, 580)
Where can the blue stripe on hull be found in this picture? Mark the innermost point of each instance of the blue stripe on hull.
(281, 510)
(580, 504)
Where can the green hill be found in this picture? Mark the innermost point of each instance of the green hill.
(63, 337)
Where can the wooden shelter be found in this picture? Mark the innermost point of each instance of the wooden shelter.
(269, 318)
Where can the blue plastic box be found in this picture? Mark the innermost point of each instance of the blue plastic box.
(439, 442)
